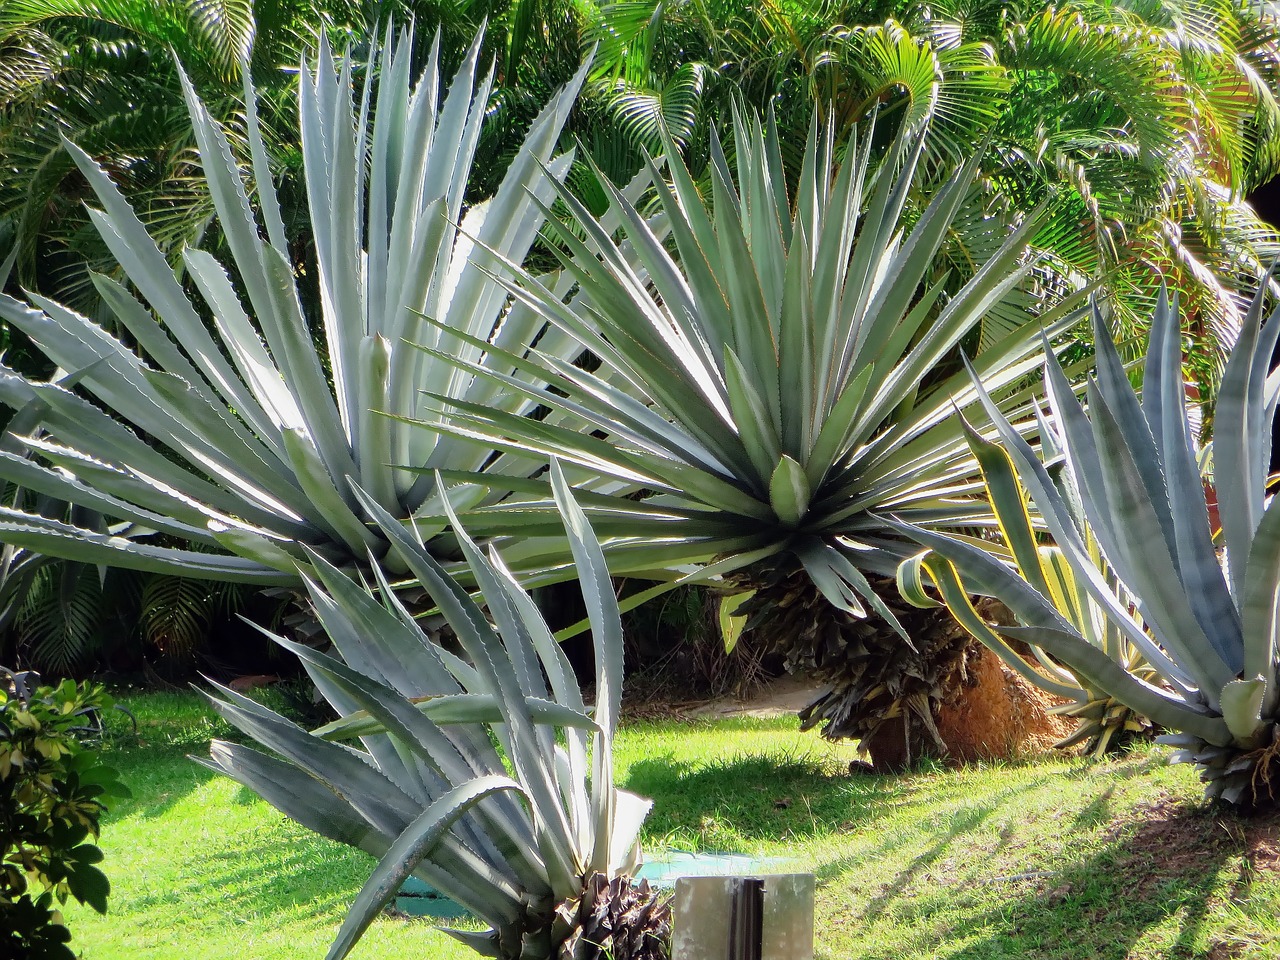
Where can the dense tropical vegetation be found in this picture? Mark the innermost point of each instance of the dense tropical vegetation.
(105, 76)
(744, 285)
(108, 77)
(1147, 122)
(1145, 171)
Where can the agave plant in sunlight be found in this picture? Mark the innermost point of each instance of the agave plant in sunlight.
(487, 778)
(1208, 629)
(1104, 721)
(259, 409)
(769, 378)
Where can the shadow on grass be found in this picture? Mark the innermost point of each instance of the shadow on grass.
(1165, 868)
(306, 879)
(953, 827)
(1125, 767)
(1096, 812)
(157, 777)
(1153, 872)
(758, 797)
(153, 751)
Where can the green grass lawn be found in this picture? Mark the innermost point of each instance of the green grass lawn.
(1051, 859)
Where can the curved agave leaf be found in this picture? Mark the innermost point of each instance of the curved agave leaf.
(464, 708)
(411, 848)
(1208, 630)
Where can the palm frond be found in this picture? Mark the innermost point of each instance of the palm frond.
(175, 614)
(59, 622)
(228, 26)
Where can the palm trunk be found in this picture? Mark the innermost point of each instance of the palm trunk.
(941, 695)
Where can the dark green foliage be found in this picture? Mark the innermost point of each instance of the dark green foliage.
(71, 616)
(53, 789)
(102, 74)
(675, 651)
(60, 623)
(176, 613)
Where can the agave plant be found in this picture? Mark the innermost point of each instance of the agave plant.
(1208, 628)
(488, 778)
(780, 370)
(1103, 720)
(258, 416)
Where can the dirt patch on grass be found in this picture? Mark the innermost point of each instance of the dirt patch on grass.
(1166, 847)
(1262, 844)
(1174, 840)
(1225, 951)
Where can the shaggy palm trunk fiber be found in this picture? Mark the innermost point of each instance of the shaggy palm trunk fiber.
(942, 695)
(619, 919)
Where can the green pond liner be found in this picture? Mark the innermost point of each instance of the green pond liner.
(662, 870)
(420, 899)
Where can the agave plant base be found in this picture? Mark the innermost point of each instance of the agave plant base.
(1248, 780)
(621, 919)
(942, 696)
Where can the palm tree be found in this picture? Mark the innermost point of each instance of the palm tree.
(104, 74)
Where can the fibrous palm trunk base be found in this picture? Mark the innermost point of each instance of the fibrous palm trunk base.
(996, 714)
(621, 919)
(942, 695)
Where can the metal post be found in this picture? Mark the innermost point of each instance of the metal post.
(744, 918)
(746, 915)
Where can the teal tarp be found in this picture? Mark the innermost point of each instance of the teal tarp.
(661, 870)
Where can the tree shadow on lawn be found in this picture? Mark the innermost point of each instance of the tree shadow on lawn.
(157, 777)
(1166, 866)
(154, 759)
(757, 798)
(307, 878)
(774, 797)
(958, 824)
(1126, 767)
(1163, 867)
